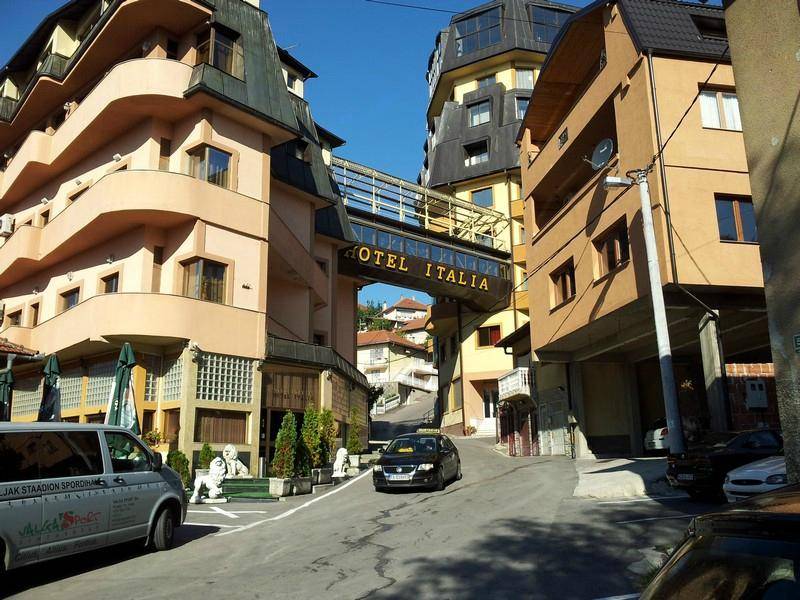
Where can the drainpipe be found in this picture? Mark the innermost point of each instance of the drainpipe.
(670, 238)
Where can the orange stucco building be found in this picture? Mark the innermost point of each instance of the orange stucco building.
(627, 74)
(163, 183)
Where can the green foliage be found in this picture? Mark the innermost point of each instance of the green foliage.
(153, 438)
(206, 456)
(327, 434)
(311, 436)
(177, 460)
(368, 317)
(373, 395)
(302, 459)
(283, 464)
(354, 434)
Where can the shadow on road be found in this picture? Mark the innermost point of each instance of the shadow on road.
(30, 577)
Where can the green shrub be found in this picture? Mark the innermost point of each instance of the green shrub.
(302, 459)
(206, 456)
(177, 460)
(354, 434)
(283, 464)
(327, 435)
(310, 434)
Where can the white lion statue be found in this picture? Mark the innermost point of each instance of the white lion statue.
(341, 463)
(233, 466)
(212, 481)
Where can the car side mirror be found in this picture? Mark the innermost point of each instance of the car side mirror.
(158, 462)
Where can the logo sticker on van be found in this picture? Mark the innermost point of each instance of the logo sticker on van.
(65, 521)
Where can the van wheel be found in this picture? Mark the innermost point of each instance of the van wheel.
(164, 530)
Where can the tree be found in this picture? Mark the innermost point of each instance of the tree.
(327, 434)
(310, 433)
(369, 317)
(177, 460)
(283, 464)
(354, 435)
(373, 395)
(206, 456)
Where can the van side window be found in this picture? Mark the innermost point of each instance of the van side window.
(18, 460)
(127, 455)
(69, 454)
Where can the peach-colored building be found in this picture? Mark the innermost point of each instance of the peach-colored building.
(163, 183)
(626, 74)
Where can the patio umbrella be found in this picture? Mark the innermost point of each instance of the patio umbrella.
(50, 408)
(121, 404)
(6, 388)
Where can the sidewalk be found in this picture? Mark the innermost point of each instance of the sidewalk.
(622, 477)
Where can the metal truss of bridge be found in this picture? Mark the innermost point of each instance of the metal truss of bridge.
(419, 238)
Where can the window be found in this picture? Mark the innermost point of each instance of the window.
(34, 314)
(210, 164)
(291, 81)
(127, 455)
(563, 284)
(522, 107)
(172, 49)
(205, 280)
(480, 31)
(70, 299)
(220, 426)
(720, 110)
(69, 454)
(319, 339)
(486, 81)
(613, 249)
(148, 419)
(488, 336)
(225, 378)
(110, 283)
(45, 216)
(545, 23)
(164, 152)
(477, 153)
(20, 458)
(480, 113)
(376, 355)
(221, 49)
(483, 197)
(525, 79)
(736, 219)
(15, 318)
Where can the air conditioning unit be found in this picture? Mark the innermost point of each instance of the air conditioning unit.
(6, 225)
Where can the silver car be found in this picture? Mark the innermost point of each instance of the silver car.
(66, 488)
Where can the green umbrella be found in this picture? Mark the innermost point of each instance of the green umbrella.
(121, 404)
(6, 388)
(50, 408)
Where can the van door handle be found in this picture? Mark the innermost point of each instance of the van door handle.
(119, 479)
(99, 481)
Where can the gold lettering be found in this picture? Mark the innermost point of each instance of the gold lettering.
(364, 254)
(461, 280)
(451, 276)
(439, 272)
(391, 261)
(484, 285)
(378, 256)
(428, 270)
(403, 266)
(474, 277)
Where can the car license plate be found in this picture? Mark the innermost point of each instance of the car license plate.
(685, 476)
(403, 477)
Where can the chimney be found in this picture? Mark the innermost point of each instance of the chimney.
(384, 305)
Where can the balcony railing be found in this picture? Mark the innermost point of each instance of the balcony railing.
(426, 384)
(514, 385)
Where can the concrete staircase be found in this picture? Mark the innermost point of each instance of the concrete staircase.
(486, 428)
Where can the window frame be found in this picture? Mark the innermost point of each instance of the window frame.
(459, 37)
(135, 443)
(106, 279)
(199, 262)
(560, 295)
(526, 100)
(199, 160)
(549, 27)
(617, 239)
(63, 301)
(489, 329)
(722, 118)
(736, 202)
(468, 161)
(209, 55)
(484, 103)
(490, 189)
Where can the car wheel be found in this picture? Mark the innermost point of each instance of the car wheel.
(164, 530)
(439, 480)
(458, 472)
(380, 489)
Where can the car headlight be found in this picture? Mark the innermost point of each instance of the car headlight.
(425, 467)
(377, 469)
(779, 479)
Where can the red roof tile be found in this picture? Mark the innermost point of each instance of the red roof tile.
(414, 324)
(372, 338)
(11, 348)
(409, 303)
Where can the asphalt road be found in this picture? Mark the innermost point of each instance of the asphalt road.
(509, 529)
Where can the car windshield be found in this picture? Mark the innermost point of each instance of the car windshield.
(412, 445)
(718, 439)
(732, 568)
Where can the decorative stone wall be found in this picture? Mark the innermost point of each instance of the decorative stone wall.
(742, 416)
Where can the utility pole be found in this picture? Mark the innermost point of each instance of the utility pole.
(674, 425)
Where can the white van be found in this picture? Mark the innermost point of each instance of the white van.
(66, 488)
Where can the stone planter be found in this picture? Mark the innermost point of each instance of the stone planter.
(321, 476)
(301, 485)
(280, 487)
(355, 460)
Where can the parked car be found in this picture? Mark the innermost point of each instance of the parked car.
(417, 460)
(755, 478)
(702, 469)
(66, 488)
(751, 550)
(656, 438)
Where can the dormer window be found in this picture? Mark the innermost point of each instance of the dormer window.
(222, 49)
(710, 27)
(481, 31)
(545, 23)
(476, 153)
(291, 82)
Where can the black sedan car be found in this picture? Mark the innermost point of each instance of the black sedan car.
(751, 550)
(417, 460)
(701, 470)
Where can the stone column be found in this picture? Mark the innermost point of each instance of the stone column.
(714, 372)
(576, 400)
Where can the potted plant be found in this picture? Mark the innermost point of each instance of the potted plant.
(207, 454)
(354, 446)
(157, 442)
(301, 482)
(283, 463)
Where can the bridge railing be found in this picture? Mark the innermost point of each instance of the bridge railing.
(375, 192)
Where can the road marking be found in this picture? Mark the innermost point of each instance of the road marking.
(230, 515)
(655, 519)
(291, 511)
(234, 512)
(209, 525)
(625, 597)
(644, 500)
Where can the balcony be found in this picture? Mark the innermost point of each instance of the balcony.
(426, 384)
(515, 385)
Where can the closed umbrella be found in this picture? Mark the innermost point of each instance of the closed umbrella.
(121, 404)
(6, 388)
(50, 408)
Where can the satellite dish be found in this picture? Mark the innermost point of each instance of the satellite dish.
(602, 153)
